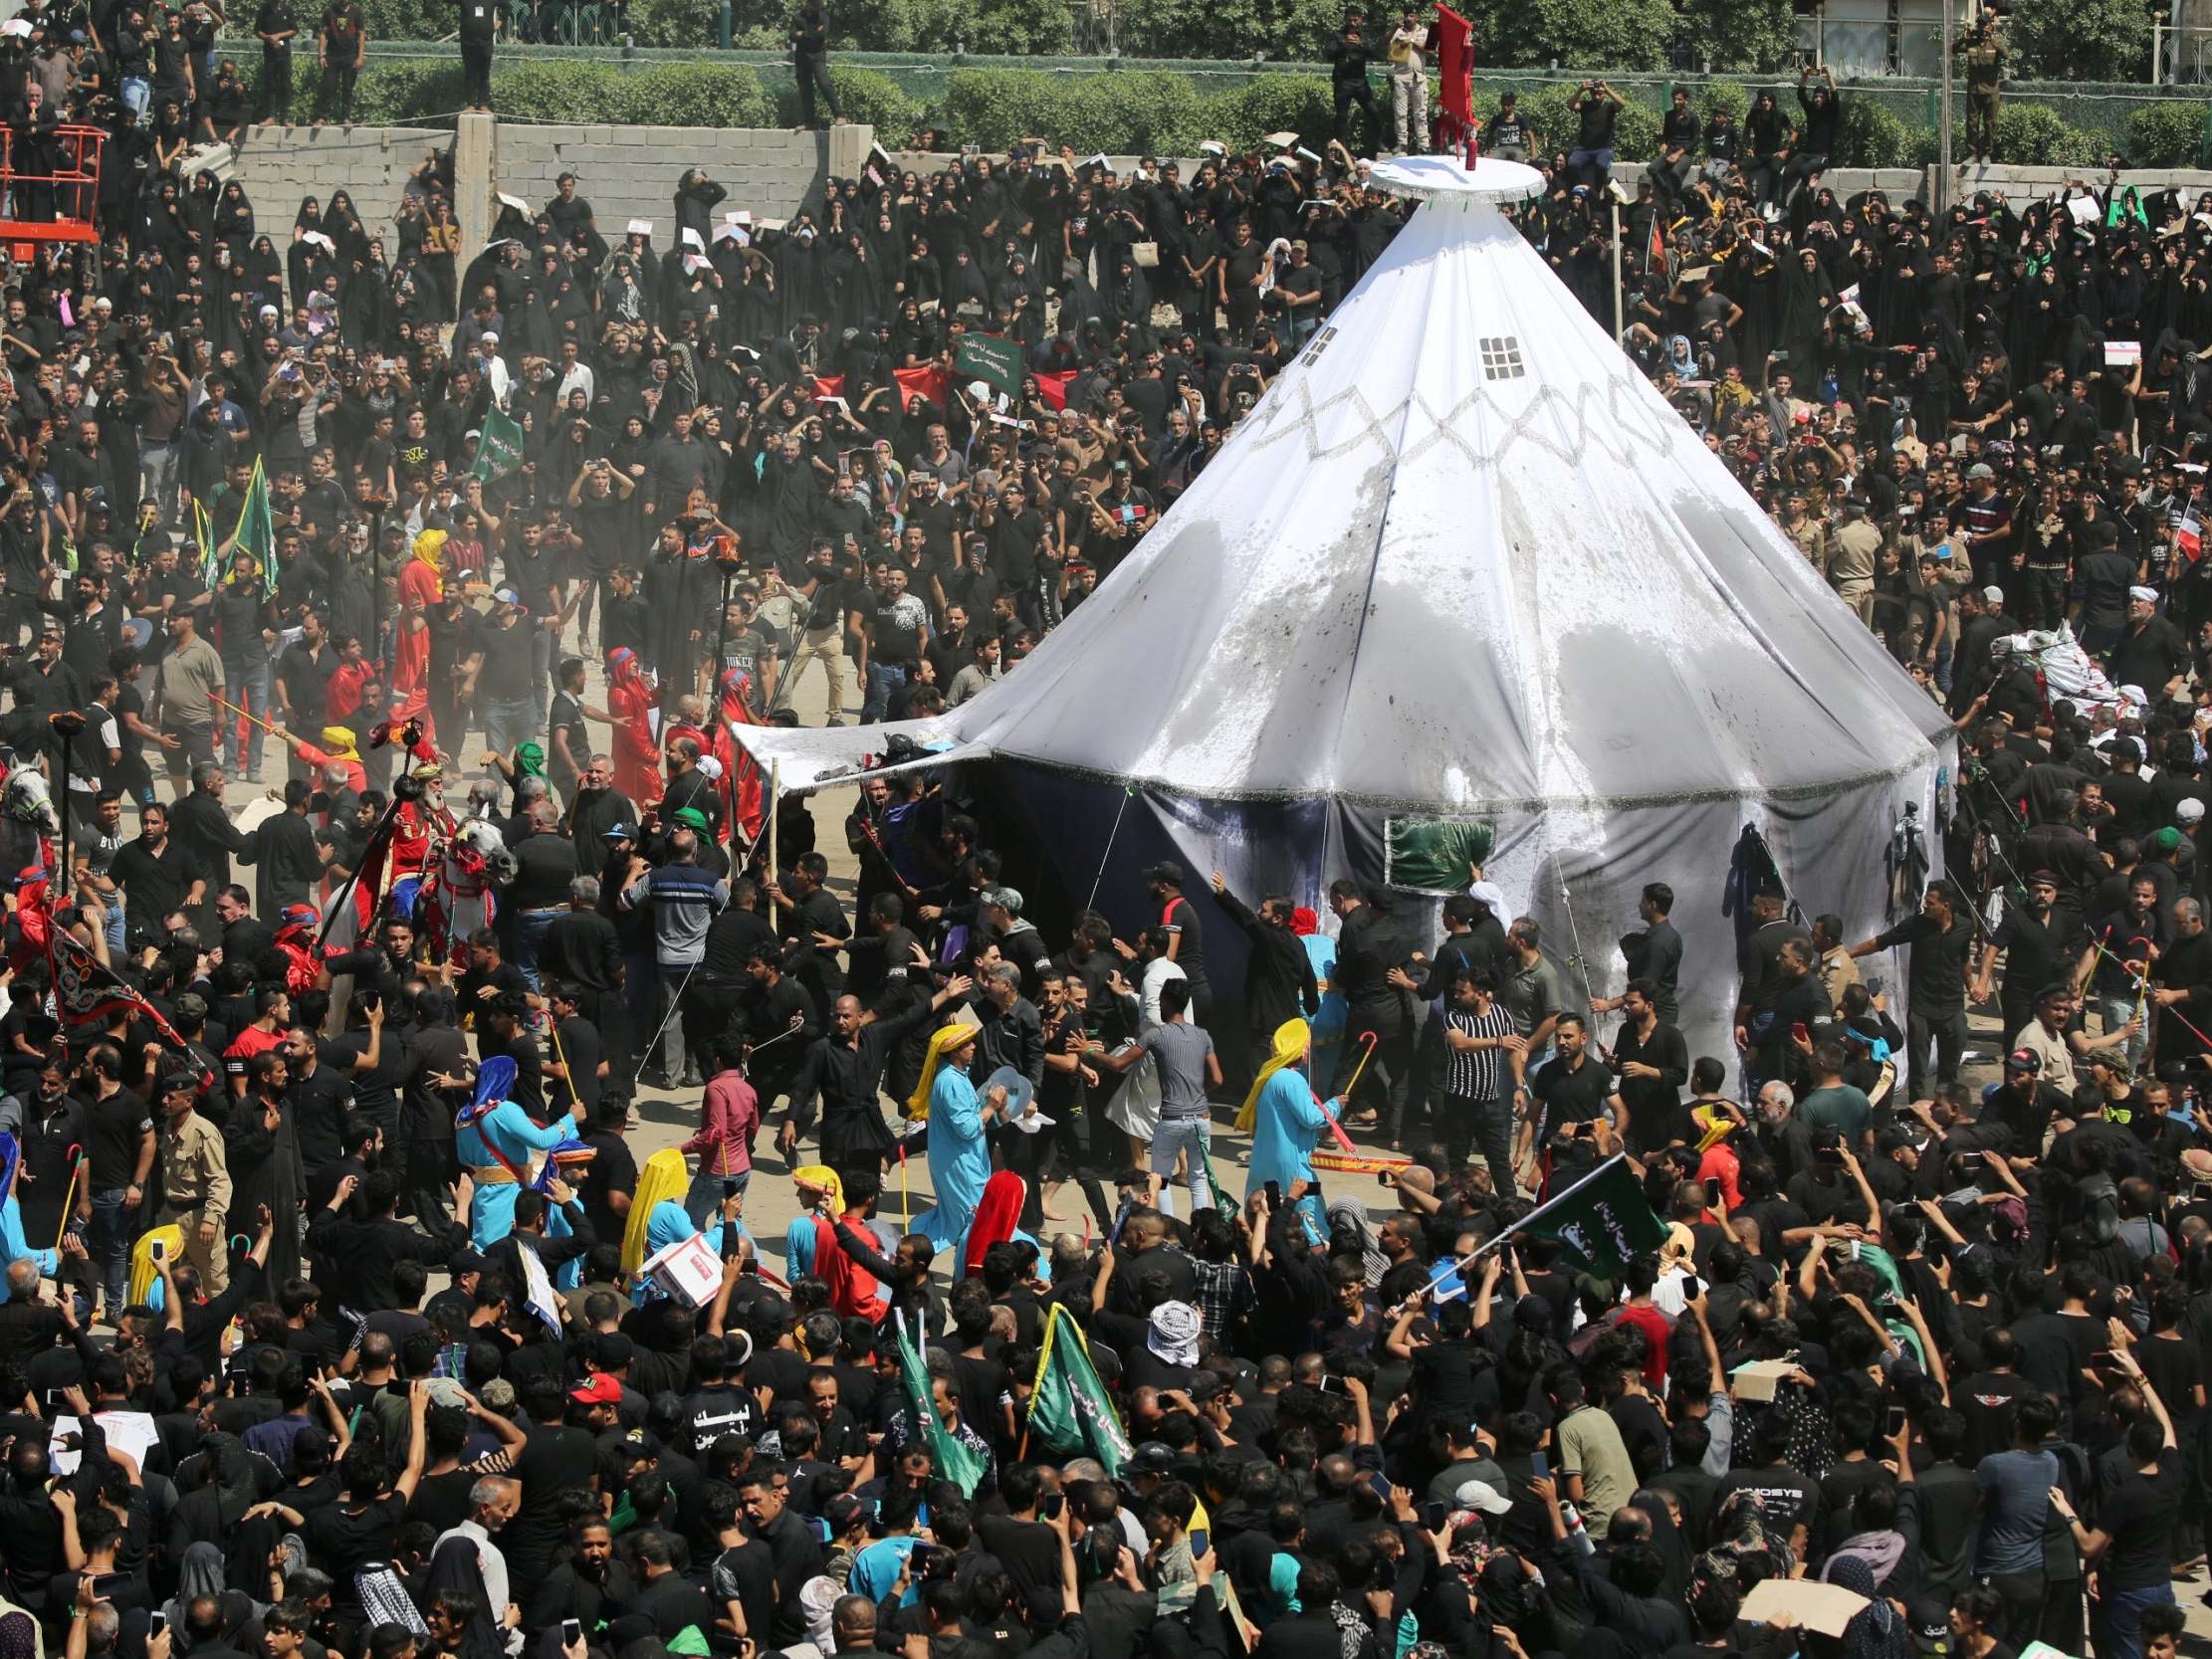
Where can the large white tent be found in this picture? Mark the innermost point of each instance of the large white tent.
(1461, 561)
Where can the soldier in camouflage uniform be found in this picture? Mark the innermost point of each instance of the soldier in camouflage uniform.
(1985, 72)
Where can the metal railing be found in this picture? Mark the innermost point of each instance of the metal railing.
(2100, 110)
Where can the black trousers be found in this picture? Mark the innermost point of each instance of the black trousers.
(812, 70)
(336, 95)
(276, 86)
(1065, 1150)
(476, 72)
(429, 1170)
(1348, 92)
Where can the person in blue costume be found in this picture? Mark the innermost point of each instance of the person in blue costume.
(494, 1139)
(1286, 1118)
(822, 1193)
(960, 1127)
(670, 1223)
(568, 1162)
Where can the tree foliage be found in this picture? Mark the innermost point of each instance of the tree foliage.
(1584, 34)
(2079, 39)
(1734, 35)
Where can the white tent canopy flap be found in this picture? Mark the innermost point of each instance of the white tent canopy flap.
(1462, 560)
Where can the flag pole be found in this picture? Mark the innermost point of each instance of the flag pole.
(1547, 1206)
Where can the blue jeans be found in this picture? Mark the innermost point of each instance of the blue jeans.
(114, 1230)
(883, 680)
(509, 721)
(249, 690)
(705, 1196)
(529, 937)
(2117, 1621)
(1175, 1137)
(1589, 166)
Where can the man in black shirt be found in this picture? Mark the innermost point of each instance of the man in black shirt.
(275, 25)
(1571, 1091)
(1278, 978)
(456, 659)
(478, 24)
(120, 1158)
(545, 870)
(507, 695)
(1941, 939)
(155, 874)
(811, 60)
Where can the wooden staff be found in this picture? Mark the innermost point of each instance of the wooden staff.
(68, 1193)
(776, 794)
(234, 709)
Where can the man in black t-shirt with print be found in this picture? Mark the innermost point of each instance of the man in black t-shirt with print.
(897, 625)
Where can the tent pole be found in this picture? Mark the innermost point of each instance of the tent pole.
(1619, 326)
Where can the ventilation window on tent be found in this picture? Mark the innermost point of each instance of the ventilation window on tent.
(1319, 345)
(1502, 358)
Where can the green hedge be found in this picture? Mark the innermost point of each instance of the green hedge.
(2167, 134)
(573, 91)
(1141, 111)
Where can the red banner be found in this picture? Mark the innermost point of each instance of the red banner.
(913, 382)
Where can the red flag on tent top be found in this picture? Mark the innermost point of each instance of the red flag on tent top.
(1451, 39)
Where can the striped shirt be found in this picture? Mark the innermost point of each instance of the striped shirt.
(1476, 1074)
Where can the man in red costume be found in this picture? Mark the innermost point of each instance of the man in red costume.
(630, 701)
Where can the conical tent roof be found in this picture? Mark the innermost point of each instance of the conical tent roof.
(1461, 556)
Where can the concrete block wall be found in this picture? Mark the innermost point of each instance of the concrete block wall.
(632, 172)
(2023, 185)
(280, 164)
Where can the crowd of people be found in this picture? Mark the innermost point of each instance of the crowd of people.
(340, 1317)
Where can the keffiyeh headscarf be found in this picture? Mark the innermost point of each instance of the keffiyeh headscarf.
(816, 1599)
(1174, 1338)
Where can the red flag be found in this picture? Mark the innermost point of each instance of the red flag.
(741, 773)
(1053, 387)
(927, 382)
(353, 906)
(1455, 45)
(1654, 256)
(33, 916)
(2188, 535)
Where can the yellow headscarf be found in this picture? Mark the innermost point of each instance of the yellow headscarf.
(339, 740)
(1292, 1039)
(957, 1034)
(428, 545)
(1717, 1127)
(826, 1179)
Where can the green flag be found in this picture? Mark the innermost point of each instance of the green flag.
(1069, 1411)
(996, 363)
(1603, 1220)
(498, 448)
(956, 1462)
(1433, 854)
(257, 533)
